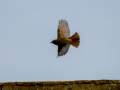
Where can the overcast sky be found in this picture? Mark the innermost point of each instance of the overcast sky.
(28, 26)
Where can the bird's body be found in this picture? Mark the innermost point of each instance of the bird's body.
(64, 40)
(60, 41)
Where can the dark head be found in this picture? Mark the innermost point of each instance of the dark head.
(55, 42)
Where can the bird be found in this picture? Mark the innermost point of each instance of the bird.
(64, 40)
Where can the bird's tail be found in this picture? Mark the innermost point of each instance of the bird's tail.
(74, 40)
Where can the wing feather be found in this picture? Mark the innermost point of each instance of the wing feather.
(63, 29)
(63, 49)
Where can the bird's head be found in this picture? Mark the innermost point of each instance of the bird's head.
(54, 42)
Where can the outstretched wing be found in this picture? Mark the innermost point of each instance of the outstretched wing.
(63, 49)
(63, 29)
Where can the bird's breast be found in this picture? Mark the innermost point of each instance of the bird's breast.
(62, 41)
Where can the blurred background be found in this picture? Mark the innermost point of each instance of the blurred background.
(28, 27)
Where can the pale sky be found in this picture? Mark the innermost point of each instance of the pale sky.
(28, 27)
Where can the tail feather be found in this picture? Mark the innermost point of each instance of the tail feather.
(75, 43)
(75, 40)
(75, 37)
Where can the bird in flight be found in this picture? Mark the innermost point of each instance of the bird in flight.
(64, 40)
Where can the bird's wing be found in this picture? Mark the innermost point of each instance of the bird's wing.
(63, 29)
(63, 49)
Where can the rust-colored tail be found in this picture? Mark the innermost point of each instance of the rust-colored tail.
(74, 40)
